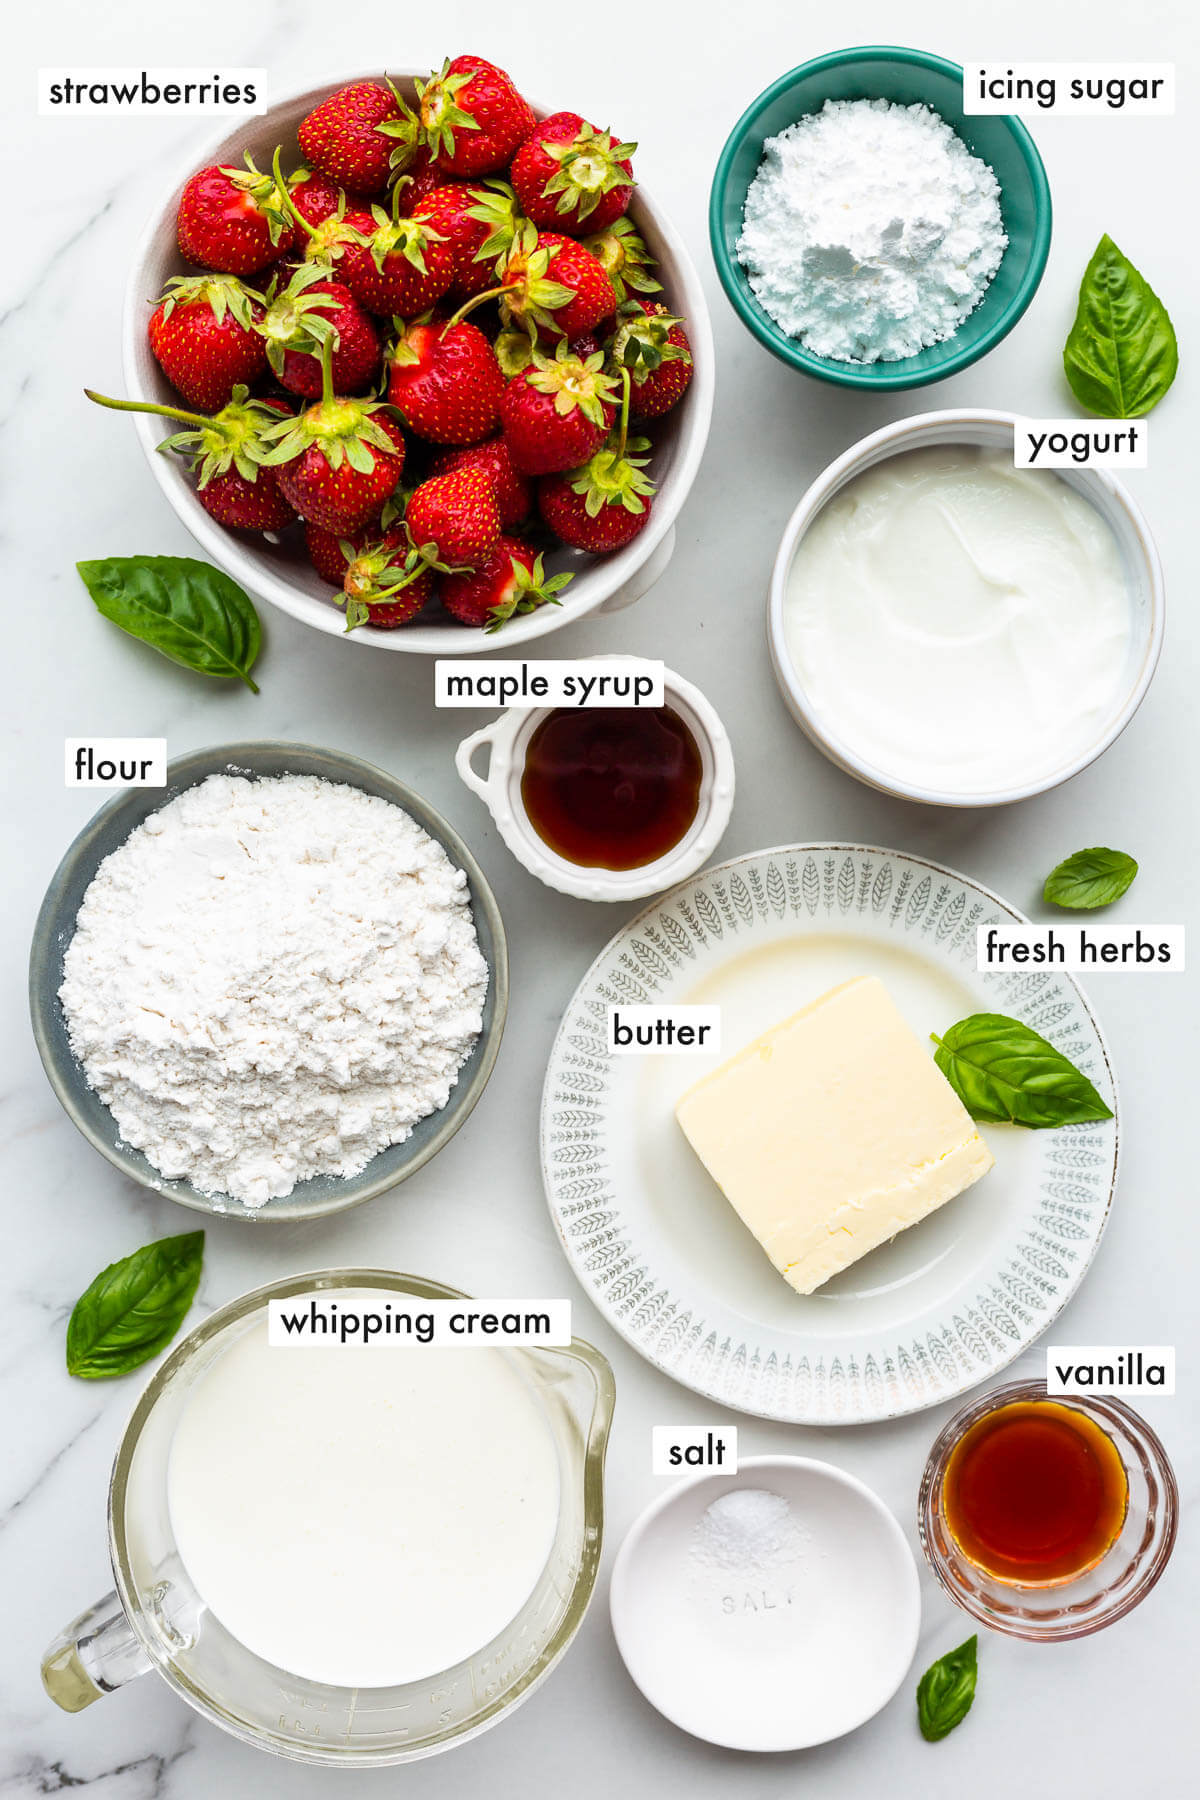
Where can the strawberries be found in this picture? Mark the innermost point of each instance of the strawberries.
(229, 456)
(444, 381)
(512, 580)
(341, 137)
(570, 175)
(603, 505)
(453, 520)
(339, 461)
(234, 220)
(652, 344)
(202, 333)
(421, 204)
(625, 259)
(472, 117)
(557, 411)
(300, 317)
(479, 224)
(514, 498)
(402, 266)
(378, 584)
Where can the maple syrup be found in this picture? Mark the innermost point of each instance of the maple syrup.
(1035, 1493)
(612, 787)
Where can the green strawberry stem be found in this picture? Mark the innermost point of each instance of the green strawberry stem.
(625, 386)
(290, 207)
(327, 394)
(469, 307)
(147, 406)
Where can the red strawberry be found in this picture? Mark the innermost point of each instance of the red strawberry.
(316, 199)
(557, 411)
(479, 223)
(551, 285)
(445, 382)
(234, 220)
(570, 175)
(513, 495)
(378, 585)
(652, 344)
(472, 116)
(338, 243)
(327, 551)
(512, 580)
(402, 265)
(603, 505)
(453, 520)
(624, 259)
(339, 461)
(202, 333)
(300, 316)
(228, 455)
(424, 177)
(342, 137)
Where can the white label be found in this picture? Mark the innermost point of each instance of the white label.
(648, 1030)
(64, 92)
(677, 1448)
(1110, 1369)
(1071, 90)
(1074, 444)
(116, 762)
(1080, 948)
(603, 681)
(323, 1321)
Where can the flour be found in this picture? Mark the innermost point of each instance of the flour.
(870, 231)
(272, 980)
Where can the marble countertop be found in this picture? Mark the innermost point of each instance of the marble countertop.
(1108, 1716)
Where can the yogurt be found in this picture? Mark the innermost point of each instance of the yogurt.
(363, 1517)
(959, 624)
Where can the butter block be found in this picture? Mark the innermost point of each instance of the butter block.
(832, 1132)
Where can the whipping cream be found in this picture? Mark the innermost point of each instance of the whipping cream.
(958, 623)
(363, 1517)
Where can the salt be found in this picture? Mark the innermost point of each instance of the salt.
(871, 231)
(749, 1532)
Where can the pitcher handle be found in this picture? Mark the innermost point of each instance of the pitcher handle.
(478, 784)
(97, 1653)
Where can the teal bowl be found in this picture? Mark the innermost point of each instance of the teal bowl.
(55, 928)
(909, 77)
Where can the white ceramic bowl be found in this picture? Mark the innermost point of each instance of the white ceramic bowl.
(800, 1649)
(995, 430)
(281, 573)
(500, 790)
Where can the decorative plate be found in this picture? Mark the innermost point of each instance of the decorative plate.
(945, 1305)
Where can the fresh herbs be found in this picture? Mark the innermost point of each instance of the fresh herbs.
(187, 609)
(134, 1308)
(1089, 879)
(946, 1690)
(1121, 354)
(1004, 1073)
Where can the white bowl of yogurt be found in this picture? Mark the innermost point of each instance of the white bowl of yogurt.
(953, 630)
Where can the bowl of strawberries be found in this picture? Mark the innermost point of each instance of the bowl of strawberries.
(427, 365)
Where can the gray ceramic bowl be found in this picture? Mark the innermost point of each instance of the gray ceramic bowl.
(55, 928)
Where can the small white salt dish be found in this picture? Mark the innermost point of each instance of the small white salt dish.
(784, 1653)
(508, 737)
(993, 430)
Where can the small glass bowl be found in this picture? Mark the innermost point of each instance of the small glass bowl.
(1104, 1593)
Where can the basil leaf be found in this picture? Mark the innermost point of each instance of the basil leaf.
(187, 609)
(1004, 1073)
(1089, 879)
(134, 1308)
(946, 1690)
(1121, 354)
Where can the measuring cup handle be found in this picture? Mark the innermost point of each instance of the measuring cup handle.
(477, 783)
(97, 1653)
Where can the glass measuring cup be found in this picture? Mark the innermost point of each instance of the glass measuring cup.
(156, 1620)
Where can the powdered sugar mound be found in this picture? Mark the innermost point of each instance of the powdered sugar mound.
(272, 980)
(870, 231)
